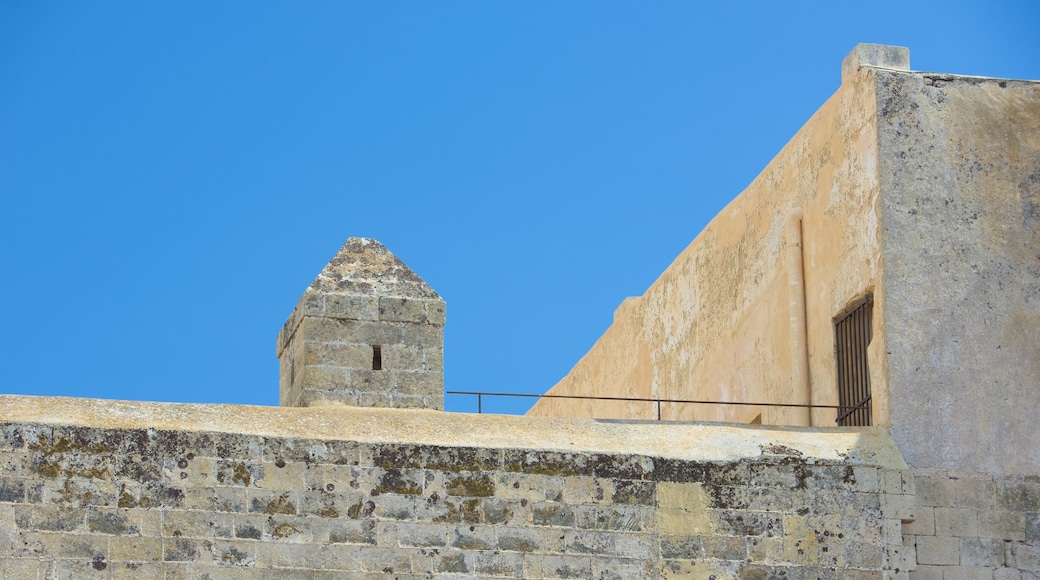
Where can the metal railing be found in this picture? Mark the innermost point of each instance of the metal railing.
(481, 394)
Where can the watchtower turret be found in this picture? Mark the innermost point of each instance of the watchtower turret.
(367, 332)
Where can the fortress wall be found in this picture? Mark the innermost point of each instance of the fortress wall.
(974, 526)
(106, 489)
(717, 323)
(961, 222)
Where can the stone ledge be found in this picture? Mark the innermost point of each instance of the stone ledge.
(690, 441)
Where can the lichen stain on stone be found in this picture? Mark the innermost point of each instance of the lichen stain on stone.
(65, 445)
(280, 505)
(361, 509)
(126, 500)
(394, 482)
(468, 512)
(241, 474)
(284, 530)
(235, 557)
(471, 486)
(49, 470)
(327, 511)
(781, 450)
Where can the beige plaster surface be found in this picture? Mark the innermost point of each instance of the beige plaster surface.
(717, 324)
(708, 442)
(960, 171)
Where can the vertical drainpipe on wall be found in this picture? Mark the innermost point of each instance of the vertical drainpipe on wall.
(796, 300)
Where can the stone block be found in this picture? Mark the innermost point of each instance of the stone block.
(20, 568)
(938, 550)
(518, 540)
(484, 565)
(196, 524)
(972, 493)
(927, 573)
(909, 483)
(368, 381)
(876, 55)
(398, 357)
(111, 521)
(351, 307)
(589, 542)
(386, 560)
(422, 335)
(867, 479)
(924, 522)
(1032, 527)
(626, 491)
(284, 477)
(346, 531)
(583, 489)
(57, 518)
(436, 312)
(899, 557)
(433, 402)
(552, 514)
(327, 378)
(433, 359)
(290, 555)
(746, 523)
(220, 499)
(1019, 497)
(374, 399)
(967, 573)
(315, 397)
(931, 491)
(1007, 574)
(366, 332)
(392, 309)
(296, 529)
(891, 481)
(1023, 555)
(958, 522)
(77, 569)
(626, 518)
(635, 545)
(622, 568)
(725, 547)
(1002, 524)
(418, 383)
(683, 521)
(982, 552)
(900, 507)
(344, 355)
(566, 566)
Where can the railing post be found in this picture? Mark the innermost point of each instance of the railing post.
(658, 409)
(480, 406)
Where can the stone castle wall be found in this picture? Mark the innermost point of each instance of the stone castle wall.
(113, 498)
(974, 527)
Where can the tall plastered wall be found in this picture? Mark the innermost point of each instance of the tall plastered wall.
(717, 324)
(109, 489)
(960, 217)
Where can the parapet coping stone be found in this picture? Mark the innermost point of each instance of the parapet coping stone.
(708, 442)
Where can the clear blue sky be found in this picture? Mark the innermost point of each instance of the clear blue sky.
(172, 177)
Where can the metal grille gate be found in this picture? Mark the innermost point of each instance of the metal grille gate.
(852, 334)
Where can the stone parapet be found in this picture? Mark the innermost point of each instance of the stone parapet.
(152, 489)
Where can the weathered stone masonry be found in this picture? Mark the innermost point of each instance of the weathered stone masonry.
(81, 501)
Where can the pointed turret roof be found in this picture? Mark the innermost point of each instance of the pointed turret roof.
(365, 267)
